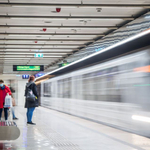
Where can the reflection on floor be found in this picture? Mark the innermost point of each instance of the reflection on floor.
(58, 131)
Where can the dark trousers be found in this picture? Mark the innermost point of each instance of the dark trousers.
(5, 113)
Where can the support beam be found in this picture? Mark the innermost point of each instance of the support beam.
(88, 40)
(3, 4)
(48, 34)
(32, 53)
(57, 27)
(4, 57)
(13, 48)
(66, 17)
(79, 45)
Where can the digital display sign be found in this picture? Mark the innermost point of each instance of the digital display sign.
(28, 68)
(63, 64)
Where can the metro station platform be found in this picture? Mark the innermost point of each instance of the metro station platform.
(58, 131)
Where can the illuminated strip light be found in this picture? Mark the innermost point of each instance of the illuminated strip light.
(104, 50)
(141, 118)
(142, 69)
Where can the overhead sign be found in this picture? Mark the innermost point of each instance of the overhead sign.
(28, 68)
(39, 74)
(38, 55)
(63, 64)
(25, 76)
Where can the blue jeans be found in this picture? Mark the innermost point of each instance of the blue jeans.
(13, 112)
(30, 114)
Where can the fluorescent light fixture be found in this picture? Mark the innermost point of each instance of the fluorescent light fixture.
(18, 75)
(61, 27)
(68, 18)
(34, 53)
(41, 50)
(28, 35)
(48, 6)
(51, 56)
(141, 118)
(43, 19)
(17, 58)
(104, 50)
(33, 28)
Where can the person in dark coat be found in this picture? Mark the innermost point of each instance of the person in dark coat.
(29, 104)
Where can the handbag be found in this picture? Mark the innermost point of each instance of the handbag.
(30, 96)
(8, 101)
(13, 102)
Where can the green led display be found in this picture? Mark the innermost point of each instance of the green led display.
(28, 68)
(65, 64)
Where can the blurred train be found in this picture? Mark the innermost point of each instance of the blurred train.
(115, 93)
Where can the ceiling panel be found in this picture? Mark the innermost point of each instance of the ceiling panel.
(34, 26)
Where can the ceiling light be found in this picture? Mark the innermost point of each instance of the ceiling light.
(17, 58)
(48, 50)
(41, 6)
(102, 51)
(34, 53)
(52, 56)
(43, 19)
(24, 28)
(46, 20)
(27, 35)
(35, 28)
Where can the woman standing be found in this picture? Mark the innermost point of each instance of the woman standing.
(30, 105)
(4, 90)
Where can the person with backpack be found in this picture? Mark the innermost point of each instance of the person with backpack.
(31, 99)
(4, 90)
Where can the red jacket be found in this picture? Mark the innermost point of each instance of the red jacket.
(3, 94)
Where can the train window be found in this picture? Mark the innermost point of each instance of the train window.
(67, 88)
(101, 85)
(47, 90)
(64, 88)
(60, 88)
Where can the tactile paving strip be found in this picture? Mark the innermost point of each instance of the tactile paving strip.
(7, 123)
(58, 141)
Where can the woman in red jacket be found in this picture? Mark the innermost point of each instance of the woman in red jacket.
(3, 92)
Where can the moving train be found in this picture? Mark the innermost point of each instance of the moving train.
(115, 93)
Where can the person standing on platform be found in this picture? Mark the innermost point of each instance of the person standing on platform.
(13, 104)
(30, 105)
(13, 109)
(4, 90)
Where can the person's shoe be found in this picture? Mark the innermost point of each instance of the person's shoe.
(31, 123)
(6, 123)
(15, 118)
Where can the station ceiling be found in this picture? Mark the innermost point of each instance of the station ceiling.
(57, 28)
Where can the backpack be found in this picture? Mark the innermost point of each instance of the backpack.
(29, 95)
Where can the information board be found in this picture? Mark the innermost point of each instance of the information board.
(28, 68)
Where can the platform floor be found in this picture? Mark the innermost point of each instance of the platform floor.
(59, 131)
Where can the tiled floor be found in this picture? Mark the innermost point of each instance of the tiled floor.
(58, 131)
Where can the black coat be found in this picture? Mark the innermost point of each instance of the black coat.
(29, 104)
